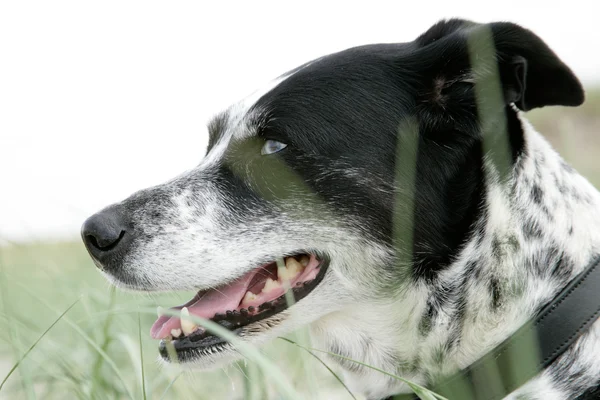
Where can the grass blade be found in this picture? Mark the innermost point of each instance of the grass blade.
(412, 385)
(105, 340)
(88, 339)
(169, 386)
(326, 366)
(14, 367)
(141, 357)
(26, 381)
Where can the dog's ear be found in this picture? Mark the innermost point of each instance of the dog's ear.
(531, 74)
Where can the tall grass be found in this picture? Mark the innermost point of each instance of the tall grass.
(85, 340)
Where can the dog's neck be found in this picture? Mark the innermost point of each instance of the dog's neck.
(537, 231)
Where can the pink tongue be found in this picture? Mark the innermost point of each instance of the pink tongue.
(213, 301)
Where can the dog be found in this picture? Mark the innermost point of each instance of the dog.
(397, 191)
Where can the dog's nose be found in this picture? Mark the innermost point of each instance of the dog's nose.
(104, 233)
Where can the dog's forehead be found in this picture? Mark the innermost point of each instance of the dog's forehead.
(336, 84)
(354, 62)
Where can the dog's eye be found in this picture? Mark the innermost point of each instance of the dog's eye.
(272, 146)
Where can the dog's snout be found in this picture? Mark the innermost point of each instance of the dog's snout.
(105, 233)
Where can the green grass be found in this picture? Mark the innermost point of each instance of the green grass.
(69, 334)
(100, 349)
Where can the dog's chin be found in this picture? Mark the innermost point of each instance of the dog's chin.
(200, 361)
(216, 352)
(252, 307)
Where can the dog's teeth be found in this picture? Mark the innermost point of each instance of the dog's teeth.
(248, 297)
(304, 260)
(270, 285)
(160, 311)
(291, 269)
(187, 326)
(175, 333)
(280, 262)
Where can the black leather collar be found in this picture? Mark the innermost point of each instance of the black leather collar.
(532, 347)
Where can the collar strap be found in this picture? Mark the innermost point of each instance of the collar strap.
(533, 347)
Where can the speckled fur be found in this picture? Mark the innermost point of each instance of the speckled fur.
(501, 278)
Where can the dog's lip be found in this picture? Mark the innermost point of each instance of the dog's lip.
(230, 298)
(193, 347)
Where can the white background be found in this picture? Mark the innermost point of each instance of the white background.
(99, 99)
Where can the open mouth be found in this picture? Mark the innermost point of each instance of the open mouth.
(257, 295)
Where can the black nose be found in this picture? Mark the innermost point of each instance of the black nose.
(105, 233)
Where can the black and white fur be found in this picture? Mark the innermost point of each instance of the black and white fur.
(490, 246)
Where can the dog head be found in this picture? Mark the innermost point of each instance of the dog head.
(340, 182)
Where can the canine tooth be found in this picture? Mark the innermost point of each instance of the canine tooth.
(304, 260)
(187, 326)
(270, 284)
(290, 271)
(248, 297)
(175, 333)
(160, 311)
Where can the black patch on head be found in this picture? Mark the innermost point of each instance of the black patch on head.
(348, 109)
